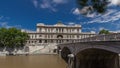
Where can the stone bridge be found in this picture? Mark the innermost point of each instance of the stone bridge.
(101, 51)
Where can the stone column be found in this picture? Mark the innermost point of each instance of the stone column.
(43, 41)
(38, 29)
(71, 61)
(65, 31)
(60, 53)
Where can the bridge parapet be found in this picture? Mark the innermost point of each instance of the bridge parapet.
(108, 42)
(109, 37)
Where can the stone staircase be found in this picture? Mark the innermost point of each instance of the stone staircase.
(47, 49)
(32, 49)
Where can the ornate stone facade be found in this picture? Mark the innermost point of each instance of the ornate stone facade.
(58, 33)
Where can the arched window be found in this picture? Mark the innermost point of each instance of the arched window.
(59, 36)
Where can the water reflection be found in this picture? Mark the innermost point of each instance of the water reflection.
(40, 61)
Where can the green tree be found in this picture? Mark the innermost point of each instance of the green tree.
(12, 37)
(3, 37)
(103, 31)
(94, 5)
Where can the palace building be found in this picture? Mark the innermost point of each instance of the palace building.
(58, 33)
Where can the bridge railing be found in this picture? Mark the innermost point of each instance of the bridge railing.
(109, 37)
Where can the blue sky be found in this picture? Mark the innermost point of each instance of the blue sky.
(25, 14)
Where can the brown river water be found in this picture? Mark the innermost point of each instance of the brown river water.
(38, 61)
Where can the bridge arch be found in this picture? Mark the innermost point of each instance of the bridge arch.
(112, 48)
(97, 58)
(65, 52)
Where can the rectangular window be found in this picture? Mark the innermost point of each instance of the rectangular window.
(40, 41)
(39, 35)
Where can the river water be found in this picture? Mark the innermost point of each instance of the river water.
(38, 61)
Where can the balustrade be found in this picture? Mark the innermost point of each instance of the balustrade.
(109, 37)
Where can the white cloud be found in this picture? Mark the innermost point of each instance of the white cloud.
(60, 1)
(2, 18)
(5, 24)
(71, 23)
(3, 21)
(115, 2)
(48, 4)
(86, 10)
(91, 15)
(111, 16)
(76, 11)
(116, 25)
(35, 3)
